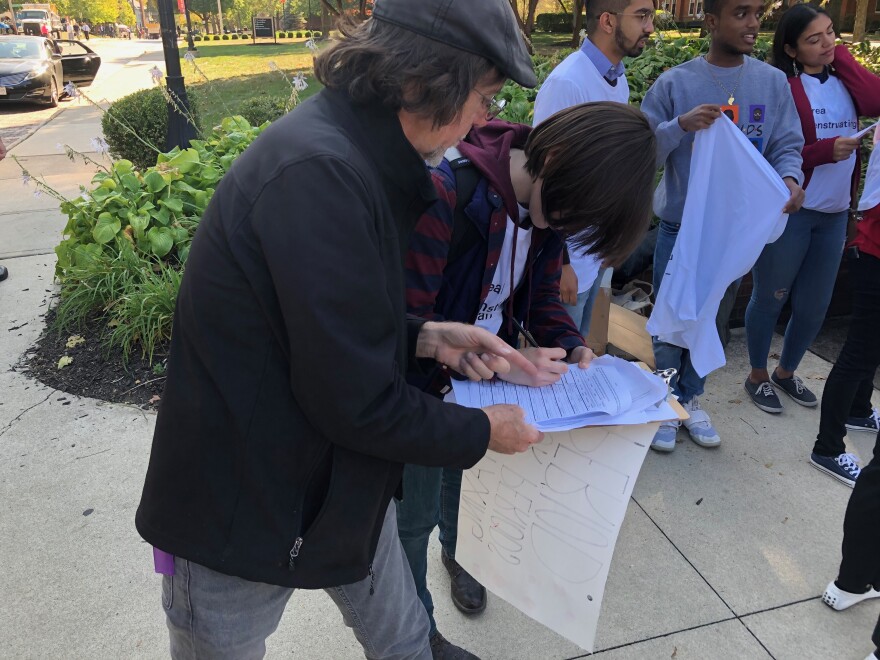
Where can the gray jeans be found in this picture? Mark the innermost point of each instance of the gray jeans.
(215, 616)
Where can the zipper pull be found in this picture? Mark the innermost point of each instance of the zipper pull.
(294, 553)
(372, 577)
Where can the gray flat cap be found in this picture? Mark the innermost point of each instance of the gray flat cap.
(483, 27)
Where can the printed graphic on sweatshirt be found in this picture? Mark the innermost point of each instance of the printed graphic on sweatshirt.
(756, 114)
(753, 128)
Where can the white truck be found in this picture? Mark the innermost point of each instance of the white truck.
(32, 18)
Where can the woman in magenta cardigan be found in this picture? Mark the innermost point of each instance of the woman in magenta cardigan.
(830, 92)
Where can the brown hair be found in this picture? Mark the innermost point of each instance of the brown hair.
(378, 61)
(595, 8)
(598, 162)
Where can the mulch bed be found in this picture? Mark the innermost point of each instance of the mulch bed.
(95, 370)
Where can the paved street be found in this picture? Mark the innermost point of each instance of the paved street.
(723, 554)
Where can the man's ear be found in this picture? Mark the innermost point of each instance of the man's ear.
(711, 22)
(606, 22)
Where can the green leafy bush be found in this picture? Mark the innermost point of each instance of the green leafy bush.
(260, 109)
(225, 37)
(197, 37)
(317, 34)
(867, 56)
(291, 34)
(307, 34)
(137, 119)
(216, 37)
(127, 238)
(234, 36)
(281, 34)
(299, 35)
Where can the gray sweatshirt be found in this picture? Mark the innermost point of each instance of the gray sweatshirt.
(766, 112)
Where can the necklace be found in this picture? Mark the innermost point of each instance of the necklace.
(730, 92)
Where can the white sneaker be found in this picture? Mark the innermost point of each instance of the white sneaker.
(838, 599)
(699, 425)
(664, 439)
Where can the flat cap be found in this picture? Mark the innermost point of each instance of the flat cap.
(487, 28)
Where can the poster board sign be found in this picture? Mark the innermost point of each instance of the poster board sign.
(264, 28)
(539, 528)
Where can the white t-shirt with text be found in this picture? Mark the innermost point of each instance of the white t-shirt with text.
(491, 311)
(830, 187)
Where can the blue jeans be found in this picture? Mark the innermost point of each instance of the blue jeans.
(802, 265)
(582, 311)
(430, 498)
(686, 384)
(218, 616)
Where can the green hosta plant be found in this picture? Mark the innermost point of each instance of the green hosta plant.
(128, 236)
(155, 212)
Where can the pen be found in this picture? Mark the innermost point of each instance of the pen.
(525, 333)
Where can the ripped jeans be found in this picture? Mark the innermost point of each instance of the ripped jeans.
(801, 265)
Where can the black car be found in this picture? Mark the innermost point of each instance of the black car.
(35, 69)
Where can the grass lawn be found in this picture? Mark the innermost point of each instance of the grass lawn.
(240, 70)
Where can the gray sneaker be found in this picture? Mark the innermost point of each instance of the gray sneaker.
(795, 388)
(764, 396)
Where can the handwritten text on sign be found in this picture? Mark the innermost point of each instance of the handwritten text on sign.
(538, 529)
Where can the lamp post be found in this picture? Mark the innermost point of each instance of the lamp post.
(190, 45)
(180, 131)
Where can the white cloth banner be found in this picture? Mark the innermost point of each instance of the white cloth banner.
(733, 208)
(871, 193)
(539, 528)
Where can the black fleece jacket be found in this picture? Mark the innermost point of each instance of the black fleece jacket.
(286, 417)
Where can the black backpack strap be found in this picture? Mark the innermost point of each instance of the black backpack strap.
(464, 233)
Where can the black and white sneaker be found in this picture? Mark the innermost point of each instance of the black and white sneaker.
(795, 388)
(764, 396)
(871, 423)
(843, 467)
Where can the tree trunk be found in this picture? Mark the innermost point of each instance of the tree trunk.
(577, 23)
(522, 27)
(327, 7)
(530, 18)
(834, 7)
(861, 21)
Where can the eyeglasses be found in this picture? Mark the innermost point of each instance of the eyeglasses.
(493, 107)
(646, 17)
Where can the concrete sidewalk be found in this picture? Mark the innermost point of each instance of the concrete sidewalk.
(724, 553)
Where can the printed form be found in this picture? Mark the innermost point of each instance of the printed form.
(609, 391)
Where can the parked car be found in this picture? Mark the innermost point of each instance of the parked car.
(35, 69)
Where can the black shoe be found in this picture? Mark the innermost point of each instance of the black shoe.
(3, 273)
(442, 649)
(795, 388)
(468, 595)
(764, 396)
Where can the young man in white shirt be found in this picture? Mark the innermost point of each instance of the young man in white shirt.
(615, 29)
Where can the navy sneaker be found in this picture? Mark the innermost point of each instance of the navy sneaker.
(844, 467)
(764, 396)
(795, 388)
(871, 423)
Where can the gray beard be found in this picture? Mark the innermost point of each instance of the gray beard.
(434, 158)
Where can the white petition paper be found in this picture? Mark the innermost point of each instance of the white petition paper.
(609, 391)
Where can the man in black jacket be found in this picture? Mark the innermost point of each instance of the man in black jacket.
(286, 417)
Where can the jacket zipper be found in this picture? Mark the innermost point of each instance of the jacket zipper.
(294, 553)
